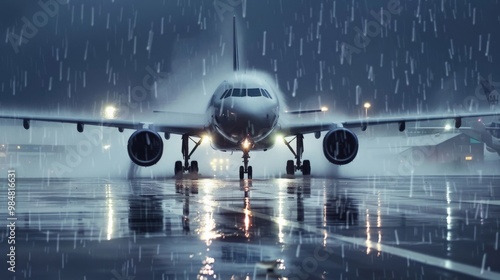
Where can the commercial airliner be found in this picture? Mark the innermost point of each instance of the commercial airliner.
(244, 114)
(489, 134)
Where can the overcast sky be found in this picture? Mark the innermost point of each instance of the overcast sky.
(88, 53)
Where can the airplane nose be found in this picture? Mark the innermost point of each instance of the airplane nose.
(247, 117)
(261, 112)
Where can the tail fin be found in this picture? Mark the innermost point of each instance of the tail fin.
(491, 93)
(480, 132)
(236, 62)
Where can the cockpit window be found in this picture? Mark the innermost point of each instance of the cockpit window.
(266, 94)
(239, 92)
(226, 94)
(253, 92)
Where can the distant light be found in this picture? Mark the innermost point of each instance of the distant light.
(324, 109)
(109, 112)
(18, 147)
(367, 105)
(468, 158)
(447, 127)
(106, 147)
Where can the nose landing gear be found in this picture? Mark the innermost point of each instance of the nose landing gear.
(246, 145)
(245, 169)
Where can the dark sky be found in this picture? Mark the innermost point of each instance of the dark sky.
(83, 56)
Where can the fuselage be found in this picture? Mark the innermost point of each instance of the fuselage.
(244, 109)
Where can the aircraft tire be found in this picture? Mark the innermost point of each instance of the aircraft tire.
(242, 172)
(194, 167)
(290, 167)
(178, 167)
(306, 167)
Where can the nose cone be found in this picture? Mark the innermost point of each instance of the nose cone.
(247, 117)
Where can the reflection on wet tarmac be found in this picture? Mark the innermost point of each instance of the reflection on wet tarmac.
(301, 228)
(145, 211)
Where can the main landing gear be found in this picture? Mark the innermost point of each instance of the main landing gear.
(186, 155)
(305, 166)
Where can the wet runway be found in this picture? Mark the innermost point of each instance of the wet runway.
(437, 227)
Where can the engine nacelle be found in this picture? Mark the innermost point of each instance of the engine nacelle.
(340, 146)
(145, 147)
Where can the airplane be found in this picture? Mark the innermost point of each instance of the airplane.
(244, 114)
(489, 134)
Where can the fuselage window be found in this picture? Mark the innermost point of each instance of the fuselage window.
(239, 92)
(253, 92)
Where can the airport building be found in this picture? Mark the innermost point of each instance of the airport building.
(447, 149)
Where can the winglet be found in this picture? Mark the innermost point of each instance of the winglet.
(236, 63)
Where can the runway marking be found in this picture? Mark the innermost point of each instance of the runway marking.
(422, 258)
(474, 271)
(490, 202)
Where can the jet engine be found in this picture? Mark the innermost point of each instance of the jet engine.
(340, 146)
(145, 147)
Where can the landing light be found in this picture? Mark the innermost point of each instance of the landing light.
(447, 127)
(106, 147)
(468, 158)
(278, 138)
(206, 138)
(246, 144)
(324, 109)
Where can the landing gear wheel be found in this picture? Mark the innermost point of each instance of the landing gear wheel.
(249, 172)
(178, 167)
(306, 167)
(194, 167)
(290, 167)
(181, 167)
(242, 172)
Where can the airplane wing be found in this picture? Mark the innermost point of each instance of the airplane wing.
(304, 128)
(171, 126)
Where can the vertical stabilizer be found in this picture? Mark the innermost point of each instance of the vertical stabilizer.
(236, 62)
(490, 92)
